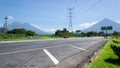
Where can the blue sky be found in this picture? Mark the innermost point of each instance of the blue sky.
(51, 15)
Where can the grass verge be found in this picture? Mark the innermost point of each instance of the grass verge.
(106, 59)
(26, 38)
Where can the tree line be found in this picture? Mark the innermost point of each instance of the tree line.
(65, 33)
(21, 31)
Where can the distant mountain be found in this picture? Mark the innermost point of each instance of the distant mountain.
(14, 25)
(26, 26)
(105, 22)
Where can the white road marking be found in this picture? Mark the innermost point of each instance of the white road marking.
(19, 51)
(78, 47)
(51, 56)
(27, 50)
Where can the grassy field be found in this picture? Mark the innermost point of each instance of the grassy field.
(106, 58)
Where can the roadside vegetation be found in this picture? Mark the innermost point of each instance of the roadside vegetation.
(109, 56)
(22, 34)
(16, 34)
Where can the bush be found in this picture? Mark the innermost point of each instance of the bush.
(117, 41)
(106, 58)
(116, 47)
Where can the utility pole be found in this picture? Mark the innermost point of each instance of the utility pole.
(70, 20)
(5, 25)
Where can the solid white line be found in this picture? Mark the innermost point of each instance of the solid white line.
(19, 51)
(78, 47)
(51, 56)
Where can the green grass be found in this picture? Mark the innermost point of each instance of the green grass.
(18, 37)
(25, 38)
(7, 37)
(47, 38)
(106, 59)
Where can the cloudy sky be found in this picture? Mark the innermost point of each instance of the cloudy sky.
(50, 15)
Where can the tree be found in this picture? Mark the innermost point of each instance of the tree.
(78, 31)
(58, 33)
(65, 32)
(89, 34)
(30, 33)
(62, 33)
(101, 34)
(83, 34)
(17, 31)
(116, 34)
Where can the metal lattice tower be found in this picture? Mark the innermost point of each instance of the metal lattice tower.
(5, 25)
(70, 20)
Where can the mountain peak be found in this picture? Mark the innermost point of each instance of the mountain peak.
(17, 22)
(26, 26)
(105, 22)
(106, 19)
(26, 23)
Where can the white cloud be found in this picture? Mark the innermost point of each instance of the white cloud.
(35, 26)
(118, 22)
(50, 30)
(86, 25)
(10, 17)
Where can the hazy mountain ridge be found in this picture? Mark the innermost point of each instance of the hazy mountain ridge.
(105, 22)
(26, 26)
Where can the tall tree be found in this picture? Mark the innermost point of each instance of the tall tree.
(62, 33)
(30, 33)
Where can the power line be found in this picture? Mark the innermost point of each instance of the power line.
(95, 3)
(82, 4)
(74, 4)
(88, 9)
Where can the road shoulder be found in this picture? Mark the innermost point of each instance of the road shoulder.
(79, 60)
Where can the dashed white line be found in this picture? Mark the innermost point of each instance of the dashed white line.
(51, 56)
(78, 47)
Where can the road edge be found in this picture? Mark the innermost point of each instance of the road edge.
(79, 60)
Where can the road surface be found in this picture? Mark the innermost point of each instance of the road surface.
(42, 54)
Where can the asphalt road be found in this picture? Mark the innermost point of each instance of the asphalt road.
(42, 54)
